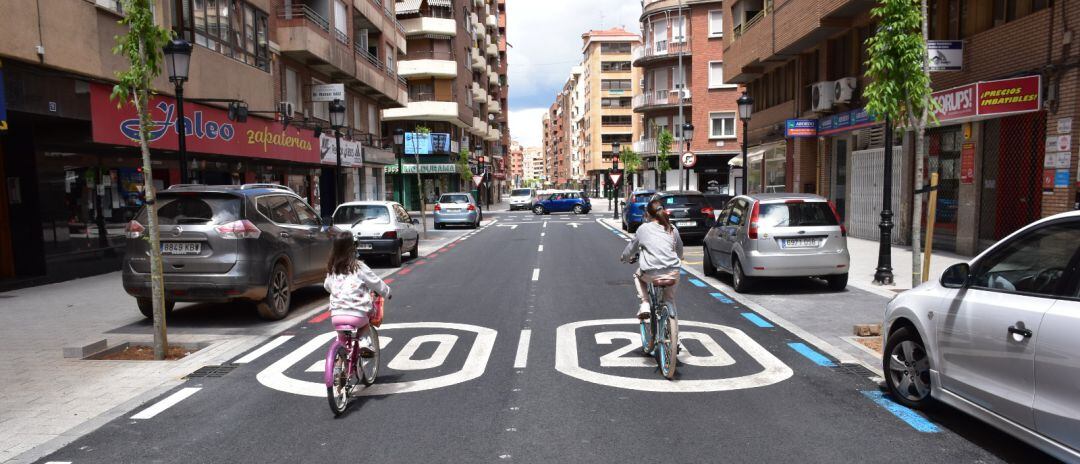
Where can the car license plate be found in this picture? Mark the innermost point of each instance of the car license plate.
(363, 246)
(685, 224)
(800, 243)
(180, 248)
(453, 210)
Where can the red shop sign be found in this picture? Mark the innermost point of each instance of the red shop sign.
(209, 130)
(1018, 95)
(967, 163)
(955, 103)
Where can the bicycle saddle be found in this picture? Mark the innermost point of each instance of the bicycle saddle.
(664, 281)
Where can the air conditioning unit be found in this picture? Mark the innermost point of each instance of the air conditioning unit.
(286, 109)
(844, 89)
(822, 96)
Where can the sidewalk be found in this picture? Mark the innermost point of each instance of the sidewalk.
(864, 258)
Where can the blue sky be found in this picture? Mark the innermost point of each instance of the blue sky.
(545, 36)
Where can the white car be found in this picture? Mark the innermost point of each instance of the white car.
(521, 198)
(380, 228)
(998, 338)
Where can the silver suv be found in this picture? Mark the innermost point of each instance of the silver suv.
(254, 242)
(778, 235)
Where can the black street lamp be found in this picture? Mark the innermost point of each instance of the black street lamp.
(615, 151)
(399, 147)
(178, 60)
(337, 121)
(746, 109)
(688, 135)
(884, 274)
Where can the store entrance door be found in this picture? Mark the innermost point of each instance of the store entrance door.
(1011, 175)
(944, 159)
(839, 186)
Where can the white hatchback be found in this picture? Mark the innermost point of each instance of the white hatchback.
(998, 338)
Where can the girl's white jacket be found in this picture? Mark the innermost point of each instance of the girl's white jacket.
(350, 294)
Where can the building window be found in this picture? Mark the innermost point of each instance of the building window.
(615, 66)
(678, 29)
(292, 90)
(716, 75)
(716, 23)
(615, 84)
(612, 138)
(614, 48)
(616, 120)
(357, 111)
(721, 125)
(320, 110)
(623, 102)
(233, 28)
(341, 22)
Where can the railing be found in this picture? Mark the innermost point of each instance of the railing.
(661, 97)
(430, 55)
(645, 146)
(741, 29)
(302, 11)
(661, 49)
(364, 53)
(341, 36)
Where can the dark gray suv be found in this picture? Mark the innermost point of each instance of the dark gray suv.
(253, 242)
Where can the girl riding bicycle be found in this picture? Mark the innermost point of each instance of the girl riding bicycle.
(350, 283)
(661, 257)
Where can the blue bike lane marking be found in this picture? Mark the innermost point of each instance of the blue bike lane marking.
(902, 412)
(758, 320)
(813, 356)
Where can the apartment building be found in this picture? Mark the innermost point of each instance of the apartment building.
(533, 166)
(516, 156)
(610, 85)
(557, 156)
(73, 172)
(681, 63)
(1005, 149)
(450, 69)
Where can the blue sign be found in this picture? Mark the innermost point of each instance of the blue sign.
(3, 102)
(848, 120)
(1061, 178)
(425, 144)
(800, 128)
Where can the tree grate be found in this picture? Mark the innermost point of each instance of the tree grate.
(855, 369)
(212, 371)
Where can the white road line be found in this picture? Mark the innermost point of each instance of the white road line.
(540, 248)
(58, 462)
(263, 349)
(536, 274)
(543, 234)
(166, 403)
(545, 224)
(522, 357)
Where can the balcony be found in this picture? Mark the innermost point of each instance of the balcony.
(378, 81)
(445, 111)
(479, 94)
(479, 63)
(492, 75)
(427, 63)
(434, 26)
(478, 3)
(495, 107)
(479, 127)
(645, 146)
(492, 51)
(305, 35)
(657, 51)
(659, 99)
(493, 134)
(492, 22)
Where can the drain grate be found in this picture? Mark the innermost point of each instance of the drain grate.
(212, 371)
(855, 369)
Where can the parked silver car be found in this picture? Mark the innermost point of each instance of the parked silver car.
(998, 338)
(381, 228)
(778, 235)
(457, 209)
(254, 242)
(521, 198)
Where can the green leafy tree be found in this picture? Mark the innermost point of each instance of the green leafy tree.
(424, 130)
(142, 46)
(663, 153)
(463, 165)
(899, 88)
(632, 162)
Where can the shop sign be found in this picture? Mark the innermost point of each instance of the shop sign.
(992, 98)
(1059, 160)
(209, 130)
(380, 156)
(800, 128)
(417, 143)
(327, 92)
(955, 103)
(945, 55)
(424, 169)
(1064, 126)
(1061, 178)
(967, 163)
(351, 151)
(3, 103)
(1049, 176)
(846, 121)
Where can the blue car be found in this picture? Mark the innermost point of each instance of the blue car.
(634, 209)
(566, 201)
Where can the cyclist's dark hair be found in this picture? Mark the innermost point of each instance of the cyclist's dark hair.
(656, 211)
(343, 256)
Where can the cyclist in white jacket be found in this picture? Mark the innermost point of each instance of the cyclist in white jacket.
(661, 254)
(351, 283)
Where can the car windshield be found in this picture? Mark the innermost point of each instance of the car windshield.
(521, 193)
(798, 214)
(195, 210)
(362, 214)
(455, 199)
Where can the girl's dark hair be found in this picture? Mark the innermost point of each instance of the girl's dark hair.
(656, 211)
(343, 255)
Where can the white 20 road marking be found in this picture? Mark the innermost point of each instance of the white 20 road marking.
(717, 356)
(404, 360)
(475, 363)
(567, 359)
(166, 403)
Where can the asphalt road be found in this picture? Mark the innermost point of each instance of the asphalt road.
(517, 344)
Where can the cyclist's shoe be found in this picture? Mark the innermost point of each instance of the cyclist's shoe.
(366, 352)
(643, 311)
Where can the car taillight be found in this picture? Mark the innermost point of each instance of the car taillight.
(437, 207)
(843, 230)
(134, 230)
(707, 211)
(238, 230)
(390, 234)
(471, 207)
(751, 232)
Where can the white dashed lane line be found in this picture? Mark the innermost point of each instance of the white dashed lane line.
(522, 358)
(536, 274)
(166, 403)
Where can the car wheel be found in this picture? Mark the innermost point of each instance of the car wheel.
(278, 295)
(907, 369)
(578, 209)
(707, 265)
(739, 281)
(438, 226)
(395, 258)
(634, 228)
(415, 252)
(625, 227)
(538, 210)
(146, 307)
(837, 282)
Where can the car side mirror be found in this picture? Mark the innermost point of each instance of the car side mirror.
(414, 221)
(956, 276)
(734, 220)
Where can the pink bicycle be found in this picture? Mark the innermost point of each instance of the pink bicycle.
(347, 366)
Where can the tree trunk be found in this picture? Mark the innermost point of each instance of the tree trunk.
(920, 156)
(420, 193)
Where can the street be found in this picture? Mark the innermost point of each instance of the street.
(516, 343)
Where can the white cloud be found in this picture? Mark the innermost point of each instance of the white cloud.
(527, 126)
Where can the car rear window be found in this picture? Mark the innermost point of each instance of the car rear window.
(362, 214)
(679, 201)
(457, 199)
(642, 197)
(806, 214)
(521, 193)
(195, 210)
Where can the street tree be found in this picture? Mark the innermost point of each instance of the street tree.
(425, 131)
(142, 46)
(463, 166)
(632, 162)
(664, 141)
(899, 88)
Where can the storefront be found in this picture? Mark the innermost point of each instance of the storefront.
(436, 178)
(768, 167)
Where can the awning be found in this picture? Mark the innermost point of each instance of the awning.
(753, 155)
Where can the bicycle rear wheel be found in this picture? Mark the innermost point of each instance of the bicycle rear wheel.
(648, 342)
(338, 393)
(369, 367)
(669, 344)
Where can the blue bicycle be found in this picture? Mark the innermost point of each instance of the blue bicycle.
(660, 332)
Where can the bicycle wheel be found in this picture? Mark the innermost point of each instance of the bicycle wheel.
(369, 367)
(669, 344)
(647, 340)
(338, 393)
